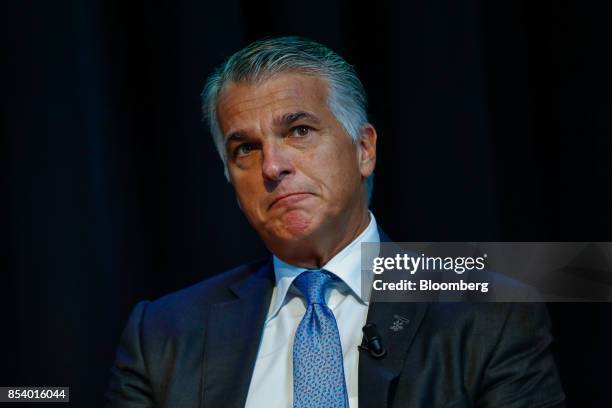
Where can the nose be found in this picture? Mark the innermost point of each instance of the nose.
(276, 163)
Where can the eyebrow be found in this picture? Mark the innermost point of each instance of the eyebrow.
(234, 137)
(289, 118)
(285, 120)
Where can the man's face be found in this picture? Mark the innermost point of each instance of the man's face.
(295, 170)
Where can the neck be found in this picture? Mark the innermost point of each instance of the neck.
(318, 249)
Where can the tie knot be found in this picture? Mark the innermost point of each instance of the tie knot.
(312, 284)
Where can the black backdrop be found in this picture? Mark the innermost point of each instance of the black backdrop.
(494, 124)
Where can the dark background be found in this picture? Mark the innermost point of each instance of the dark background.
(493, 118)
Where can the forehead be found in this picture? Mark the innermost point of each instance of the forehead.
(279, 94)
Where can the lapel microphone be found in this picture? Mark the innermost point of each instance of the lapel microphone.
(373, 341)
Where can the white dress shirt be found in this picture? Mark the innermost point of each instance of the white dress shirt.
(272, 382)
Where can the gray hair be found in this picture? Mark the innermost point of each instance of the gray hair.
(263, 59)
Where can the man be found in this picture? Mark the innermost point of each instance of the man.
(288, 117)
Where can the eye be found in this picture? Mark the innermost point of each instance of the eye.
(300, 131)
(244, 149)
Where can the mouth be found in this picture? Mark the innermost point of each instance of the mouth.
(289, 198)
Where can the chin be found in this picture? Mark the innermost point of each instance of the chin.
(295, 226)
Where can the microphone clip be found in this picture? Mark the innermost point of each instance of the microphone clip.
(372, 342)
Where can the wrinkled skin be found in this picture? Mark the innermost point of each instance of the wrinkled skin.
(298, 176)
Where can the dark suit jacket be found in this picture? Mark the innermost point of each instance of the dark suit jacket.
(197, 348)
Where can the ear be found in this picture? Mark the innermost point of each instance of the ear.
(366, 153)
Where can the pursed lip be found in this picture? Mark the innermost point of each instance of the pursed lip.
(280, 197)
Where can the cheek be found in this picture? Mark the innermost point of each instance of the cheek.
(344, 162)
(248, 196)
(337, 171)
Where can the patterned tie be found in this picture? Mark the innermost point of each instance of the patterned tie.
(318, 371)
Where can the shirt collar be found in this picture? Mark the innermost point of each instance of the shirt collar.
(346, 265)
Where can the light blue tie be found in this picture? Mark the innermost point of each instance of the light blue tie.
(318, 371)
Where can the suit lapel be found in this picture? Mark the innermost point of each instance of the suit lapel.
(233, 336)
(397, 324)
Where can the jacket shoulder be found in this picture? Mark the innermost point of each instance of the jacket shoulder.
(189, 306)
